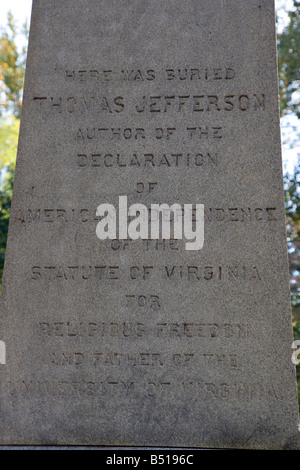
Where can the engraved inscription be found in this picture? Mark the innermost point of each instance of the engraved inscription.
(79, 105)
(170, 104)
(208, 273)
(100, 360)
(203, 390)
(85, 215)
(127, 134)
(151, 301)
(201, 103)
(147, 160)
(96, 75)
(117, 329)
(172, 272)
(92, 329)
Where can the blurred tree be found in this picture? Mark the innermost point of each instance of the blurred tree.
(292, 205)
(9, 131)
(12, 68)
(288, 50)
(5, 201)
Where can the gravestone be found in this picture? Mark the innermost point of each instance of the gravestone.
(144, 342)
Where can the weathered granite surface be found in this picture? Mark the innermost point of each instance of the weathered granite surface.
(136, 342)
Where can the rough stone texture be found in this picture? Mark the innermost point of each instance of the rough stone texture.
(141, 343)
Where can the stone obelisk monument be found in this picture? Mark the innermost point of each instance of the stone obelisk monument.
(140, 341)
